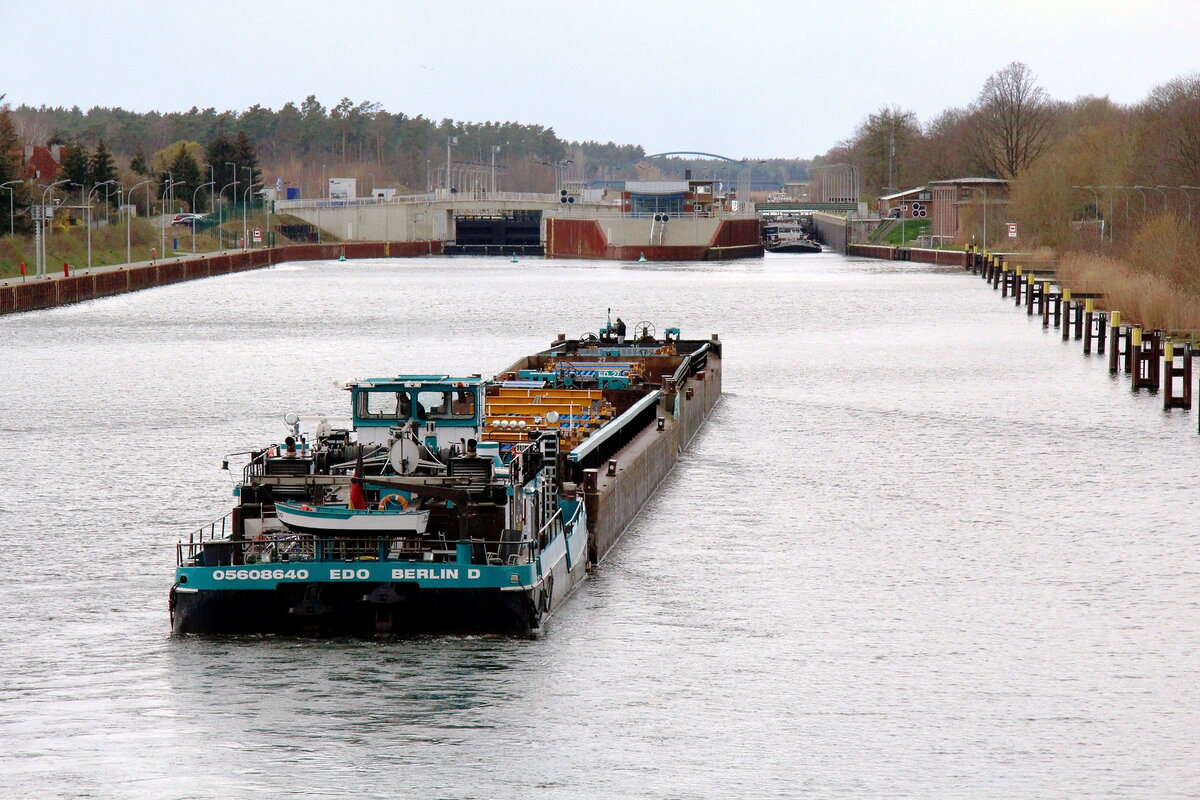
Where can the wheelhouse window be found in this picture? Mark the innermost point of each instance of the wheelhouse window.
(384, 405)
(456, 404)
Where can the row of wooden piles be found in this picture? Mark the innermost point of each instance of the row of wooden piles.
(1158, 361)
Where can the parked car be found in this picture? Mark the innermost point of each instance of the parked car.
(186, 219)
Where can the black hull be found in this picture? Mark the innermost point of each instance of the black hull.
(360, 609)
(795, 248)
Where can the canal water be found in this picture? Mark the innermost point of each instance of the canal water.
(923, 548)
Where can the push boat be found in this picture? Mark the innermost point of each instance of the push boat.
(449, 504)
(785, 236)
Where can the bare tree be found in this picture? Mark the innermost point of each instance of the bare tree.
(1013, 118)
(881, 147)
(1170, 131)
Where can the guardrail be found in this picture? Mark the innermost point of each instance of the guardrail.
(287, 547)
(439, 196)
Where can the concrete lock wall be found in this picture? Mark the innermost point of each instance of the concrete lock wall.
(45, 292)
(380, 223)
(407, 221)
(955, 258)
(832, 230)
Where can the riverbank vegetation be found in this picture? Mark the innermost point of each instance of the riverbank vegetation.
(1112, 190)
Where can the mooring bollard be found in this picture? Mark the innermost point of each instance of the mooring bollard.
(1030, 291)
(1170, 372)
(1147, 351)
(1114, 354)
(1062, 314)
(1089, 314)
(1134, 349)
(1130, 336)
(1044, 304)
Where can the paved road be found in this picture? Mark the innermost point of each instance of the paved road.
(56, 274)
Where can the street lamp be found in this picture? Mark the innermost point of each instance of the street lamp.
(985, 196)
(449, 141)
(212, 181)
(87, 205)
(245, 204)
(1189, 199)
(234, 183)
(1185, 197)
(40, 230)
(1139, 189)
(745, 184)
(194, 191)
(10, 205)
(128, 218)
(163, 226)
(221, 210)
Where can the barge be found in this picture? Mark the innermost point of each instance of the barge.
(449, 504)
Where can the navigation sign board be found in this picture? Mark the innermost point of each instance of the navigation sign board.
(1012, 230)
(258, 234)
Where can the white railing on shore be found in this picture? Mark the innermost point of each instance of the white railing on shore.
(438, 196)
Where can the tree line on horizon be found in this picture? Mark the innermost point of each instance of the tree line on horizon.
(304, 143)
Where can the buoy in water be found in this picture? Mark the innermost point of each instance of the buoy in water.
(514, 258)
(342, 257)
(641, 257)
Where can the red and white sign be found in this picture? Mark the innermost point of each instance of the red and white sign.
(1012, 230)
(258, 234)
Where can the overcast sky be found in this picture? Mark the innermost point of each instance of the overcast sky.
(738, 77)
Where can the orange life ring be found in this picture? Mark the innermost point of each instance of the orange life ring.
(399, 498)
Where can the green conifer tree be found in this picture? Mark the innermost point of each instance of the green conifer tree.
(102, 169)
(77, 169)
(183, 170)
(221, 155)
(247, 160)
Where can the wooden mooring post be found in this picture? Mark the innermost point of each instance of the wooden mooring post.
(1114, 340)
(1067, 305)
(1044, 303)
(1095, 326)
(1182, 398)
(1146, 350)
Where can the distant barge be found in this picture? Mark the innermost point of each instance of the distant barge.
(446, 504)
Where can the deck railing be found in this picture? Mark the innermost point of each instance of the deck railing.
(287, 547)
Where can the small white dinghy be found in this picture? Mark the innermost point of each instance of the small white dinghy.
(343, 521)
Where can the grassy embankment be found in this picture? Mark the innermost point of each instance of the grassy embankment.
(902, 233)
(69, 243)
